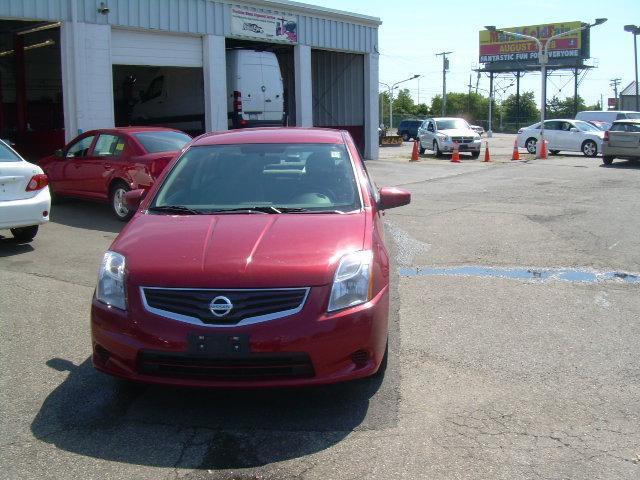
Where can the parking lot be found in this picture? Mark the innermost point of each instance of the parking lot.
(506, 369)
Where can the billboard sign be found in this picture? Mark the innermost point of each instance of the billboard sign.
(498, 47)
(268, 26)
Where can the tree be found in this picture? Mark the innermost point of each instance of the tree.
(528, 110)
(403, 104)
(566, 108)
(474, 108)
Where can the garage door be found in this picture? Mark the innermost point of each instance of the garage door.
(156, 49)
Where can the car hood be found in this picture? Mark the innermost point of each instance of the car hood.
(458, 132)
(238, 250)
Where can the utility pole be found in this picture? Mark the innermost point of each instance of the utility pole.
(469, 97)
(445, 67)
(614, 83)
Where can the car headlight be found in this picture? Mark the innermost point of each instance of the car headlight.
(444, 138)
(477, 137)
(352, 282)
(111, 281)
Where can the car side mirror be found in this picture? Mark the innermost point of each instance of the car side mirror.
(391, 197)
(133, 197)
(573, 129)
(58, 153)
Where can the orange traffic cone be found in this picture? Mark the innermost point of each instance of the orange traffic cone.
(543, 150)
(414, 154)
(516, 154)
(455, 158)
(487, 155)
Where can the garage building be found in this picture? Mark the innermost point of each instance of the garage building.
(68, 66)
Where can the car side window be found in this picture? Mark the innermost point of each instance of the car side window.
(80, 148)
(633, 127)
(553, 125)
(375, 195)
(430, 127)
(108, 146)
(617, 127)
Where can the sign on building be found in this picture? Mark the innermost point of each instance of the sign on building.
(263, 25)
(499, 47)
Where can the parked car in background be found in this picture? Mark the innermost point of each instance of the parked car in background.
(257, 261)
(478, 129)
(606, 116)
(563, 135)
(105, 164)
(408, 129)
(441, 134)
(601, 125)
(25, 202)
(622, 141)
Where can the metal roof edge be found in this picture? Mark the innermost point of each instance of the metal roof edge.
(305, 8)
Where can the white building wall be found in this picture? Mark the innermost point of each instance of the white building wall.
(215, 83)
(304, 85)
(371, 114)
(87, 78)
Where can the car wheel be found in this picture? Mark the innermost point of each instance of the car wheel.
(475, 154)
(421, 149)
(530, 145)
(405, 137)
(436, 149)
(554, 152)
(589, 148)
(24, 234)
(607, 160)
(118, 204)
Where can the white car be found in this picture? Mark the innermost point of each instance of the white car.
(563, 135)
(441, 134)
(25, 201)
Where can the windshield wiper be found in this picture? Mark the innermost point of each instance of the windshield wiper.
(180, 209)
(252, 209)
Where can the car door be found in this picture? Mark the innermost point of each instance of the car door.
(565, 138)
(430, 134)
(65, 173)
(551, 128)
(105, 160)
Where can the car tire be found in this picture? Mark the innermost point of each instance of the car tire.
(421, 149)
(475, 154)
(607, 160)
(530, 145)
(25, 234)
(436, 149)
(554, 152)
(116, 200)
(405, 137)
(589, 148)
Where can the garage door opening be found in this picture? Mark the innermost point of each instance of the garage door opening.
(262, 87)
(171, 97)
(338, 92)
(31, 113)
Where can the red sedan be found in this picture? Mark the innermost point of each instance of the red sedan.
(257, 259)
(105, 164)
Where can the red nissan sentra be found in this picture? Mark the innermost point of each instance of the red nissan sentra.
(257, 259)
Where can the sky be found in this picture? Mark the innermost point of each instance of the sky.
(413, 31)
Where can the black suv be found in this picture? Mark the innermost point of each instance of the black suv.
(409, 129)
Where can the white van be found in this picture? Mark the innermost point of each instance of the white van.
(255, 94)
(607, 116)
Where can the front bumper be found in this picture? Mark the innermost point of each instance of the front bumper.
(26, 212)
(462, 147)
(314, 348)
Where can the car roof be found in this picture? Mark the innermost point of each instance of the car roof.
(447, 118)
(271, 135)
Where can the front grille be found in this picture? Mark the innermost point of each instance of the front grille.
(462, 139)
(264, 366)
(249, 306)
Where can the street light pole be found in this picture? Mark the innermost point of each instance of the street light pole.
(635, 30)
(543, 60)
(391, 89)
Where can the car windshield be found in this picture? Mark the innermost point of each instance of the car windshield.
(451, 123)
(586, 127)
(260, 178)
(154, 142)
(6, 155)
(633, 115)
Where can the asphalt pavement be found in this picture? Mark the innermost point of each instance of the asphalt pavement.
(490, 376)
